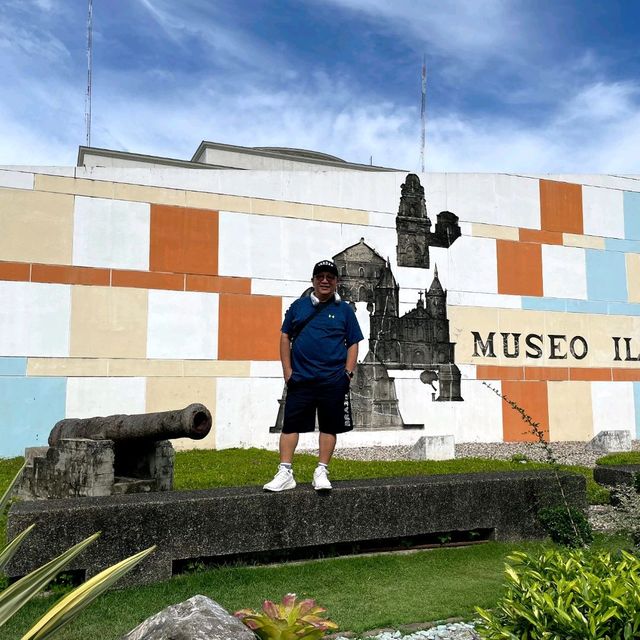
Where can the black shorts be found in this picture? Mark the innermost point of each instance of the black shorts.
(331, 400)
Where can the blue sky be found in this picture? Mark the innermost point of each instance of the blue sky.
(513, 85)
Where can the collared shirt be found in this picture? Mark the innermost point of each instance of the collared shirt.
(319, 352)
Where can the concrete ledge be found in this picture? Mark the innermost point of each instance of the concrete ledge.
(221, 522)
(618, 474)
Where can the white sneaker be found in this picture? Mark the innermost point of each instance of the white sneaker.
(282, 481)
(321, 479)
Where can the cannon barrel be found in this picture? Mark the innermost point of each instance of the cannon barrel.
(192, 422)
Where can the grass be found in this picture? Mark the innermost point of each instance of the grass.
(622, 458)
(360, 593)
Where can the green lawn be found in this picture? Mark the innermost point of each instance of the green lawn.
(622, 458)
(360, 593)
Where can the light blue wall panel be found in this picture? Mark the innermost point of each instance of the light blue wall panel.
(13, 366)
(631, 215)
(625, 246)
(29, 409)
(606, 276)
(544, 304)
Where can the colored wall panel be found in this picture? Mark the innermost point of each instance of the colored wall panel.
(519, 268)
(36, 227)
(182, 325)
(564, 272)
(88, 397)
(111, 233)
(633, 277)
(570, 413)
(603, 212)
(184, 240)
(606, 276)
(13, 366)
(30, 408)
(167, 394)
(561, 207)
(631, 215)
(249, 327)
(531, 397)
(34, 319)
(613, 407)
(108, 322)
(17, 271)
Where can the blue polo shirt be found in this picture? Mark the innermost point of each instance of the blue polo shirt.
(319, 352)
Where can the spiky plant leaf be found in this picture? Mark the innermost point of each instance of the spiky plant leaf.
(8, 552)
(6, 496)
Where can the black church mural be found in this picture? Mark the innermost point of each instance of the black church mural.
(417, 340)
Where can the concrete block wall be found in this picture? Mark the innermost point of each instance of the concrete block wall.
(125, 290)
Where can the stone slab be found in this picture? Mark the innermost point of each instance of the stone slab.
(219, 523)
(611, 441)
(434, 448)
(614, 475)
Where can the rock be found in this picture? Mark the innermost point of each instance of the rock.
(198, 618)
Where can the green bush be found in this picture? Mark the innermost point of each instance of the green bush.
(568, 595)
(566, 525)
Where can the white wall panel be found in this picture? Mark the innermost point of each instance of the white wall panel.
(245, 409)
(182, 325)
(613, 407)
(564, 272)
(250, 246)
(89, 397)
(289, 288)
(603, 212)
(16, 179)
(111, 233)
(34, 319)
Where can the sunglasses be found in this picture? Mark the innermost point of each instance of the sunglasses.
(329, 277)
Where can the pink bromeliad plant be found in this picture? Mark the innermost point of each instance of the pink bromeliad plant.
(289, 620)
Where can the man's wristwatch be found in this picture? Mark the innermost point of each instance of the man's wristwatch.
(349, 374)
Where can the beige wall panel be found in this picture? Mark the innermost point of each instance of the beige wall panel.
(217, 368)
(108, 322)
(61, 184)
(157, 195)
(166, 394)
(217, 202)
(601, 347)
(464, 320)
(36, 227)
(480, 230)
(281, 209)
(145, 368)
(65, 367)
(633, 277)
(569, 325)
(517, 321)
(345, 216)
(587, 242)
(570, 413)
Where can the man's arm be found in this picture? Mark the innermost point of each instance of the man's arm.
(285, 356)
(352, 357)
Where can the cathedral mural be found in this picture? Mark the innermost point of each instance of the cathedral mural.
(417, 340)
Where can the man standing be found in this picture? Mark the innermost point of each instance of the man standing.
(319, 352)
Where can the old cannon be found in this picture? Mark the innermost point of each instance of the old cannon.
(110, 455)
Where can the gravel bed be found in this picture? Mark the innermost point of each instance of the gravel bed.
(445, 631)
(572, 453)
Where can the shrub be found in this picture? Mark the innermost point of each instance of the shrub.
(573, 594)
(566, 525)
(287, 621)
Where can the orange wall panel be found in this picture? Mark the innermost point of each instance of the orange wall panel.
(532, 397)
(249, 327)
(519, 268)
(183, 240)
(560, 206)
(541, 237)
(19, 271)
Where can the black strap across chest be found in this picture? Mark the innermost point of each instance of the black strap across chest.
(298, 329)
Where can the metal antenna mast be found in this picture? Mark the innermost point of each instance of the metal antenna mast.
(87, 99)
(423, 112)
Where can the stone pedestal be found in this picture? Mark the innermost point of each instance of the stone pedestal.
(610, 441)
(434, 448)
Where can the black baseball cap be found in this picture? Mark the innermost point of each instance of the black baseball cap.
(325, 266)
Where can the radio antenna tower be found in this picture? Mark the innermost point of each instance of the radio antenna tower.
(423, 112)
(87, 99)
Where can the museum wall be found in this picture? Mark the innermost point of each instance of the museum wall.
(133, 290)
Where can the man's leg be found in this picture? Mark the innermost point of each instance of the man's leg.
(326, 444)
(288, 444)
